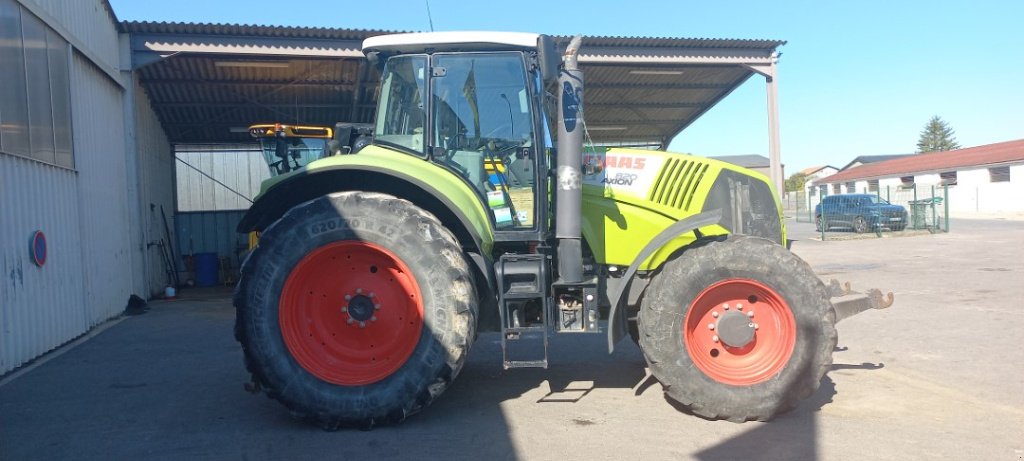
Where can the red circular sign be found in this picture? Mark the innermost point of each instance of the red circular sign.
(38, 248)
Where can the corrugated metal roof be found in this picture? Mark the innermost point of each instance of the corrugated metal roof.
(150, 27)
(814, 169)
(248, 30)
(932, 162)
(872, 159)
(200, 96)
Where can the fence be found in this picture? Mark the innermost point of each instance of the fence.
(890, 209)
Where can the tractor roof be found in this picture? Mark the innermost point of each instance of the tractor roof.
(451, 41)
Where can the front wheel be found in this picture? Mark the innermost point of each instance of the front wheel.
(356, 309)
(738, 329)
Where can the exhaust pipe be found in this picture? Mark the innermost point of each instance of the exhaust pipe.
(569, 192)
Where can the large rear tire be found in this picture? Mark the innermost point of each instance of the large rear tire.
(738, 329)
(356, 309)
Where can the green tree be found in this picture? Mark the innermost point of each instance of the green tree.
(937, 136)
(796, 182)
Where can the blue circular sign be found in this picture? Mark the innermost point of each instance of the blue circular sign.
(38, 248)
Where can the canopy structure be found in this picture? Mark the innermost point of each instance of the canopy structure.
(208, 82)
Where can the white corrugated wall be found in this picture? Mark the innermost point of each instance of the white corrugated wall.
(238, 167)
(40, 307)
(98, 119)
(81, 211)
(156, 189)
(97, 217)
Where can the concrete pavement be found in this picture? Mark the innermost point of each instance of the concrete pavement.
(938, 376)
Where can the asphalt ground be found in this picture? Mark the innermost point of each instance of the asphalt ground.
(940, 375)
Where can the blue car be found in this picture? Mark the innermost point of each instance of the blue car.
(860, 212)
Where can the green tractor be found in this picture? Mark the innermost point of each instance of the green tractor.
(476, 208)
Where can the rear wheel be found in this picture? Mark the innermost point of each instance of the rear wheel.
(356, 309)
(737, 329)
(860, 225)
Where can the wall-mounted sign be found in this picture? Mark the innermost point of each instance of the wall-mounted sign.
(37, 248)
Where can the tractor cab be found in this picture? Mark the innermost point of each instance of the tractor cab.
(472, 103)
(287, 148)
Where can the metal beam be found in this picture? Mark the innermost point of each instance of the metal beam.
(774, 150)
(246, 104)
(641, 105)
(597, 122)
(641, 55)
(145, 46)
(659, 86)
(180, 82)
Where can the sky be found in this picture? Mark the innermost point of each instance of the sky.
(857, 77)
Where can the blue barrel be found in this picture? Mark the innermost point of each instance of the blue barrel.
(207, 267)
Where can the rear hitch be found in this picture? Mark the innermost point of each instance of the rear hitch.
(847, 303)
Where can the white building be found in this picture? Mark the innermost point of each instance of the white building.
(985, 179)
(85, 163)
(816, 173)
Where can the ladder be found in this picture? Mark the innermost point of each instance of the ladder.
(523, 306)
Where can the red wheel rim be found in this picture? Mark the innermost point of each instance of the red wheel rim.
(351, 313)
(742, 363)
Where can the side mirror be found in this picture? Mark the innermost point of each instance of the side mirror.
(548, 58)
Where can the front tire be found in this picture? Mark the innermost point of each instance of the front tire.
(860, 225)
(356, 309)
(695, 336)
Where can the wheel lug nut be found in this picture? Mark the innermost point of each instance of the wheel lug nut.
(344, 309)
(348, 297)
(739, 306)
(756, 326)
(362, 324)
(714, 338)
(751, 325)
(711, 326)
(750, 314)
(373, 318)
(371, 294)
(376, 306)
(359, 291)
(350, 321)
(725, 306)
(714, 314)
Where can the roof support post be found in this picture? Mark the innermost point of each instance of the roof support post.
(774, 151)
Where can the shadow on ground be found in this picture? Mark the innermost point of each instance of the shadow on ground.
(169, 385)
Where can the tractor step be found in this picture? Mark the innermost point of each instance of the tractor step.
(526, 364)
(523, 306)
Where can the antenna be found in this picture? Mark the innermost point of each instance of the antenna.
(429, 17)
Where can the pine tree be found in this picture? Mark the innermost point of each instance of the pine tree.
(937, 136)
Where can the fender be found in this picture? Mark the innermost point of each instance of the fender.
(475, 235)
(616, 316)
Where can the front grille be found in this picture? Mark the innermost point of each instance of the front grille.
(677, 182)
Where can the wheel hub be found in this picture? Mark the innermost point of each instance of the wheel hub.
(739, 331)
(331, 317)
(361, 308)
(735, 329)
